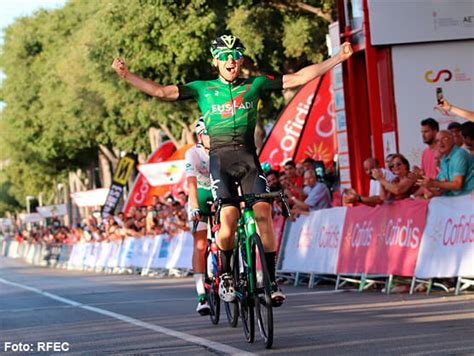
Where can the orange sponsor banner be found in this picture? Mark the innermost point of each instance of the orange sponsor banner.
(141, 192)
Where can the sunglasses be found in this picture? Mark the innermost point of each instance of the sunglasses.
(223, 56)
(395, 165)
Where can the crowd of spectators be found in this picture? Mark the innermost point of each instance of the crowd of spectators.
(164, 216)
(447, 168)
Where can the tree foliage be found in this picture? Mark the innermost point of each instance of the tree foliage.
(63, 100)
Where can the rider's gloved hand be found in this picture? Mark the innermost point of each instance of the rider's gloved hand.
(195, 214)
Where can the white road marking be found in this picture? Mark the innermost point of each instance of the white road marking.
(209, 344)
(321, 292)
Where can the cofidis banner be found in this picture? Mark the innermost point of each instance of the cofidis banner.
(384, 239)
(313, 242)
(447, 248)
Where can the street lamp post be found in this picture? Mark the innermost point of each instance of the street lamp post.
(65, 200)
(28, 199)
(59, 187)
(40, 198)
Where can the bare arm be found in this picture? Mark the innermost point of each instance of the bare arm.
(300, 204)
(193, 195)
(371, 201)
(455, 184)
(397, 188)
(469, 115)
(310, 72)
(165, 92)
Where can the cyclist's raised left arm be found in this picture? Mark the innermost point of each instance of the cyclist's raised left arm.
(310, 72)
(164, 92)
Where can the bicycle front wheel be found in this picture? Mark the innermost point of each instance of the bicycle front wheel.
(244, 297)
(263, 297)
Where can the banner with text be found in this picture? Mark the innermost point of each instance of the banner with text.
(384, 239)
(313, 242)
(447, 248)
(123, 171)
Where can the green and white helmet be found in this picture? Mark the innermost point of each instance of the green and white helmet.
(226, 42)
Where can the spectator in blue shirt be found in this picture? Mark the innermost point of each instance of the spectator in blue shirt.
(317, 195)
(456, 175)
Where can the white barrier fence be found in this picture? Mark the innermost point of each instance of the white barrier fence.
(338, 242)
(145, 253)
(356, 244)
(313, 242)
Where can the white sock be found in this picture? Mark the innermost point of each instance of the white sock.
(199, 281)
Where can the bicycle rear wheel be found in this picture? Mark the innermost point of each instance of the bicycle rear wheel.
(263, 297)
(232, 309)
(214, 301)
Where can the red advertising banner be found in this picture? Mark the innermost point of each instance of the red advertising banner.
(383, 240)
(141, 192)
(306, 127)
(318, 139)
(283, 139)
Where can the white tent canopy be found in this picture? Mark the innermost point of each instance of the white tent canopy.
(49, 211)
(90, 198)
(31, 218)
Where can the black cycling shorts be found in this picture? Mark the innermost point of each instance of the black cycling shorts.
(233, 164)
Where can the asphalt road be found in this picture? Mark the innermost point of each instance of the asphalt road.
(90, 313)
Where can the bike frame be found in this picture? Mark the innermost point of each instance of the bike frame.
(245, 230)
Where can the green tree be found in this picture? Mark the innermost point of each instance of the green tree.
(65, 106)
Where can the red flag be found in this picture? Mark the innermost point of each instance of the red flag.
(141, 192)
(306, 127)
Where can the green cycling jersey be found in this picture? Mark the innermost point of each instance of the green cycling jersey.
(230, 109)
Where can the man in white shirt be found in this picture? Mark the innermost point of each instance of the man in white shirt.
(351, 196)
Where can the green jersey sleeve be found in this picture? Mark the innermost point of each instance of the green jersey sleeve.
(189, 90)
(269, 82)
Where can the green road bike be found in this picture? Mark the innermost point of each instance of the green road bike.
(251, 276)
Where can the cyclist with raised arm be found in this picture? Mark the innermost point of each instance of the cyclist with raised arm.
(229, 107)
(199, 187)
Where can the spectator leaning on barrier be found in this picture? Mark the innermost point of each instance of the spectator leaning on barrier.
(455, 128)
(467, 132)
(317, 195)
(291, 172)
(273, 181)
(456, 176)
(309, 164)
(403, 186)
(300, 169)
(351, 196)
(430, 156)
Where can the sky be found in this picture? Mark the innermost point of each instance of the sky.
(11, 9)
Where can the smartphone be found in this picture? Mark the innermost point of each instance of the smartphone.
(439, 95)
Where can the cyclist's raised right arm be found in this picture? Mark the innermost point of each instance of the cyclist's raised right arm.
(164, 92)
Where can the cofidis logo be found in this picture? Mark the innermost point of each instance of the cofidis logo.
(432, 77)
(446, 75)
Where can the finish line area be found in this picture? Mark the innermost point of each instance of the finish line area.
(124, 313)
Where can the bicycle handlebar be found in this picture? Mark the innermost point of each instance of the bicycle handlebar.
(248, 199)
(252, 198)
